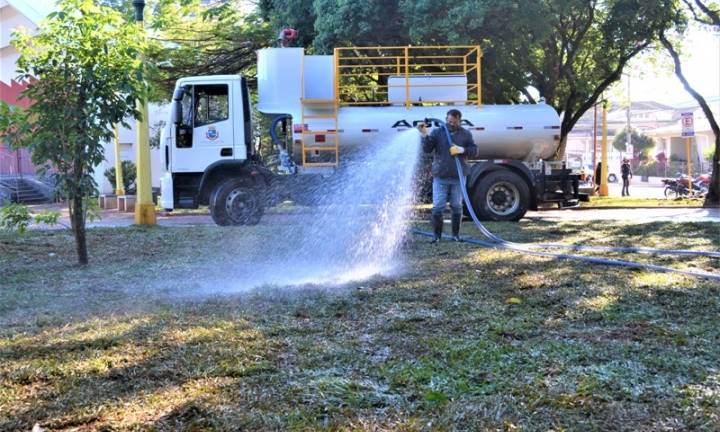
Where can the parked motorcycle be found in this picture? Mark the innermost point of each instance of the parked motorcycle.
(680, 187)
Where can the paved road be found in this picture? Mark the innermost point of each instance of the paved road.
(654, 188)
(638, 190)
(635, 215)
(112, 218)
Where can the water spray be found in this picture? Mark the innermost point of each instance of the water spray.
(355, 228)
(497, 242)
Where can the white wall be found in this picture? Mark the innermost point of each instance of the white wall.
(128, 150)
(10, 21)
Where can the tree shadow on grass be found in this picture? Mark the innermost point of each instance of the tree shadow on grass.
(83, 380)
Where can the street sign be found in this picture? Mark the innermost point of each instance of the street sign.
(688, 127)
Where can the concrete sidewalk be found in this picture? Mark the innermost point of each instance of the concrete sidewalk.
(637, 215)
(113, 218)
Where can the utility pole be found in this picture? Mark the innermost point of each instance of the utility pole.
(144, 208)
(119, 182)
(628, 135)
(688, 132)
(604, 151)
(594, 154)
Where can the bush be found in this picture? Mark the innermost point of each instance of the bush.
(647, 169)
(709, 153)
(18, 217)
(129, 175)
(15, 217)
(642, 144)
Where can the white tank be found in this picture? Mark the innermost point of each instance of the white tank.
(286, 75)
(279, 76)
(522, 132)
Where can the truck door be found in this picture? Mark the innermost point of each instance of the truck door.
(205, 133)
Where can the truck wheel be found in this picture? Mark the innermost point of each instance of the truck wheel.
(612, 178)
(501, 195)
(237, 202)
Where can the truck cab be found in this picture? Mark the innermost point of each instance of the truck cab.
(207, 140)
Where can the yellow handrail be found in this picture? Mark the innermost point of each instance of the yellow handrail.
(387, 48)
(362, 74)
(412, 57)
(380, 86)
(400, 73)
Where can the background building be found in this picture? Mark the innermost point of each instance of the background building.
(16, 14)
(658, 121)
(14, 165)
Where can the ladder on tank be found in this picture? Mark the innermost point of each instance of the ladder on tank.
(320, 139)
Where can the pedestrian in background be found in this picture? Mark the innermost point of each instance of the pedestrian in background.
(626, 174)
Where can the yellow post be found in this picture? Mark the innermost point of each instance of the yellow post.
(119, 182)
(407, 79)
(477, 68)
(688, 153)
(604, 154)
(336, 76)
(144, 207)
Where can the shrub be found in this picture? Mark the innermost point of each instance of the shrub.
(18, 217)
(647, 169)
(129, 175)
(15, 217)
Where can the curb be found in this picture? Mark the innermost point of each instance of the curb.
(173, 215)
(627, 208)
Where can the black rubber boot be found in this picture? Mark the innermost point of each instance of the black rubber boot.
(456, 227)
(437, 223)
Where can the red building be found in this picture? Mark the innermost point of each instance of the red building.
(15, 14)
(13, 162)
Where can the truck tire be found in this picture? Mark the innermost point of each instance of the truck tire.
(237, 202)
(501, 195)
(612, 178)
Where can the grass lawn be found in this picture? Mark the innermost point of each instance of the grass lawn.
(158, 334)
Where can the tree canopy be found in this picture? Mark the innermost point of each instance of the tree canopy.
(706, 14)
(641, 143)
(570, 51)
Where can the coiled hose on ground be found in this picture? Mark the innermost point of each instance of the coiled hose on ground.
(497, 242)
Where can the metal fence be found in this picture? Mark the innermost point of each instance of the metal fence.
(15, 162)
(370, 75)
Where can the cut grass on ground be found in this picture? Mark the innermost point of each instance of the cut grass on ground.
(158, 334)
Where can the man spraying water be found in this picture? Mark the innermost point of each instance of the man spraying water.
(446, 184)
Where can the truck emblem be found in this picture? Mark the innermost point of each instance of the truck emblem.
(404, 123)
(212, 134)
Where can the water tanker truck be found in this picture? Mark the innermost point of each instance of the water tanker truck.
(331, 106)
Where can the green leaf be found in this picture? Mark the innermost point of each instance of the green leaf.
(436, 397)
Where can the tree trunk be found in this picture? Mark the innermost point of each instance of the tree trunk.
(713, 197)
(565, 128)
(77, 220)
(560, 152)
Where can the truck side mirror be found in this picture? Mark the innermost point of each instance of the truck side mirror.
(176, 114)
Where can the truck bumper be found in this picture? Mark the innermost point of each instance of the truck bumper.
(166, 192)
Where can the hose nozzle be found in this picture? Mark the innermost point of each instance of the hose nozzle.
(431, 121)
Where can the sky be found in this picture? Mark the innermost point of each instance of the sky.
(652, 76)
